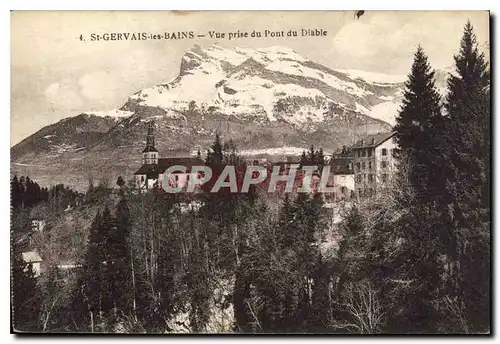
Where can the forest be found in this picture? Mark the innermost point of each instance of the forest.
(414, 259)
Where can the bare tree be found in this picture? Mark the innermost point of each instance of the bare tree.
(362, 306)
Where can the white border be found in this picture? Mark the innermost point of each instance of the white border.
(183, 5)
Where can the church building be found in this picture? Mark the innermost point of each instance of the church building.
(151, 173)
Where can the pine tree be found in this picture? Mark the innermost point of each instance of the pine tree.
(419, 125)
(352, 241)
(16, 192)
(320, 159)
(22, 191)
(303, 159)
(120, 182)
(27, 301)
(94, 296)
(308, 217)
(286, 229)
(468, 112)
(419, 130)
(321, 303)
(468, 180)
(118, 245)
(110, 256)
(215, 155)
(353, 231)
(263, 292)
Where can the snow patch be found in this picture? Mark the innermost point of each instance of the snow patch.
(362, 109)
(293, 68)
(274, 151)
(111, 113)
(386, 98)
(386, 111)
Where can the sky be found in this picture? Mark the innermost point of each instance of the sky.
(55, 75)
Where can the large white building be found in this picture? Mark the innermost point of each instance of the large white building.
(374, 163)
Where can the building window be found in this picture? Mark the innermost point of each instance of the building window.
(394, 152)
(360, 192)
(384, 164)
(343, 190)
(370, 178)
(369, 165)
(358, 178)
(369, 152)
(384, 151)
(384, 177)
(358, 166)
(363, 165)
(363, 152)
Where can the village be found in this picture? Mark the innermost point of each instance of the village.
(355, 172)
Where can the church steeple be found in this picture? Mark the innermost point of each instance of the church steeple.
(150, 154)
(150, 139)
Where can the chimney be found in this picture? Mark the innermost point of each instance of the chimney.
(373, 140)
(362, 142)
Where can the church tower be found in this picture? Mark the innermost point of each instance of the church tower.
(150, 154)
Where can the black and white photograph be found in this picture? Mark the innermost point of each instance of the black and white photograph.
(250, 172)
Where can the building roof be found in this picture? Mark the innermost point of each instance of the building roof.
(164, 163)
(149, 149)
(31, 257)
(148, 169)
(372, 140)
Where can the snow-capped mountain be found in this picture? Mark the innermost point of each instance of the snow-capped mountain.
(263, 99)
(273, 84)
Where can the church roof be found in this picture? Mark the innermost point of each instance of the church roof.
(148, 169)
(149, 149)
